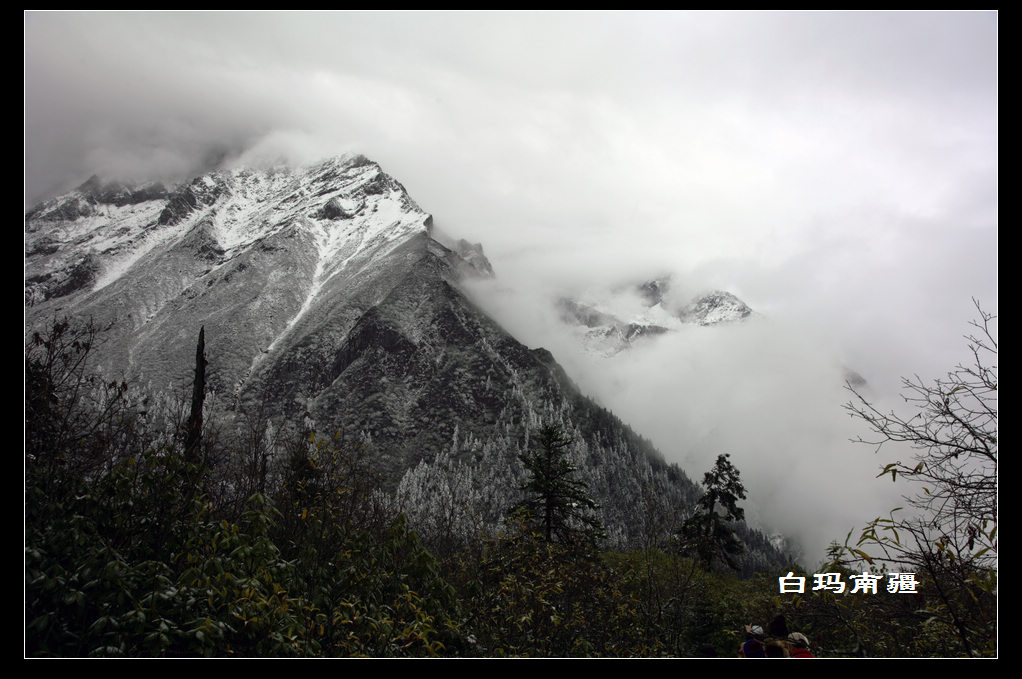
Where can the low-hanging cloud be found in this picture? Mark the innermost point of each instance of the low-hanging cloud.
(765, 390)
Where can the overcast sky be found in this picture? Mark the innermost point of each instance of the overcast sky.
(837, 171)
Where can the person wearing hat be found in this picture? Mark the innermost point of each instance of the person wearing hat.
(753, 646)
(799, 645)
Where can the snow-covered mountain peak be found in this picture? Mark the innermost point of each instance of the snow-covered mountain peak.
(89, 237)
(264, 258)
(718, 306)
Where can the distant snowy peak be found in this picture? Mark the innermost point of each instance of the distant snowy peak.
(715, 307)
(600, 332)
(599, 323)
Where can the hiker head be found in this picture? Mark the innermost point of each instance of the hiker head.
(753, 648)
(798, 639)
(778, 628)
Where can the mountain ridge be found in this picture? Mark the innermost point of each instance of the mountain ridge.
(327, 301)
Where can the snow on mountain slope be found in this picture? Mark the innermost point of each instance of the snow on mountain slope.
(347, 204)
(253, 253)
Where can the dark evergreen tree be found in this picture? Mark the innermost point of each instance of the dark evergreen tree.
(709, 533)
(193, 437)
(557, 502)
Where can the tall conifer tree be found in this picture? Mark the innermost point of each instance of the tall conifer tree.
(558, 503)
(709, 533)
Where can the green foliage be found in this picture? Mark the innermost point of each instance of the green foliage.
(121, 567)
(124, 567)
(663, 586)
(373, 589)
(125, 556)
(531, 597)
